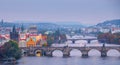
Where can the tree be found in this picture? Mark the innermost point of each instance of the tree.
(45, 45)
(11, 49)
(56, 37)
(50, 39)
(109, 38)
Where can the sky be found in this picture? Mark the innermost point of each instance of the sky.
(87, 12)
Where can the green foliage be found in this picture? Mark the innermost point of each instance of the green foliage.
(50, 39)
(109, 38)
(45, 45)
(11, 49)
(56, 37)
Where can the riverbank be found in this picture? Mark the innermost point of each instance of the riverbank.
(8, 61)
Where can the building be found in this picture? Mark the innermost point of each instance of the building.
(33, 30)
(31, 43)
(22, 37)
(115, 30)
(14, 35)
(31, 38)
(3, 40)
(104, 30)
(41, 40)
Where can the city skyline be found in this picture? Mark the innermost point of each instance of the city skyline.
(87, 12)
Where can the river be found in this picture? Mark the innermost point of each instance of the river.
(69, 61)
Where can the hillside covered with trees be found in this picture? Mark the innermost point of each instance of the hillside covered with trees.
(110, 22)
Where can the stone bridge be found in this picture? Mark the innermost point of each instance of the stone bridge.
(47, 51)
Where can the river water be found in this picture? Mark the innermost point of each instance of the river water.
(75, 59)
(69, 61)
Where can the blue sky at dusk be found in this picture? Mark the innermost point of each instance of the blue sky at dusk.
(83, 11)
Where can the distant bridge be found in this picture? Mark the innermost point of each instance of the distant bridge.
(47, 51)
(87, 39)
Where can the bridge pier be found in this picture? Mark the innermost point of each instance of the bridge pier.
(73, 41)
(66, 54)
(103, 54)
(49, 54)
(31, 53)
(89, 41)
(43, 53)
(103, 51)
(84, 54)
(24, 53)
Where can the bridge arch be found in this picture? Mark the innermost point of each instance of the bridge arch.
(38, 52)
(68, 41)
(57, 53)
(113, 52)
(94, 52)
(24, 52)
(94, 41)
(75, 52)
(81, 41)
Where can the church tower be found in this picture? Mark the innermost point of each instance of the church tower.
(22, 37)
(1, 23)
(22, 28)
(14, 35)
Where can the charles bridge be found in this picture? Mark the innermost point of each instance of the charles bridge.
(47, 51)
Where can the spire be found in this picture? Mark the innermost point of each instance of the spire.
(14, 29)
(22, 28)
(1, 22)
(58, 32)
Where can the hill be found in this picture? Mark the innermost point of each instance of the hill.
(115, 22)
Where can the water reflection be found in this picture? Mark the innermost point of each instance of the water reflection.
(94, 52)
(113, 52)
(57, 53)
(75, 52)
(69, 61)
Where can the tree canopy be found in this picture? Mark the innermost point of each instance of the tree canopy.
(109, 38)
(10, 49)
